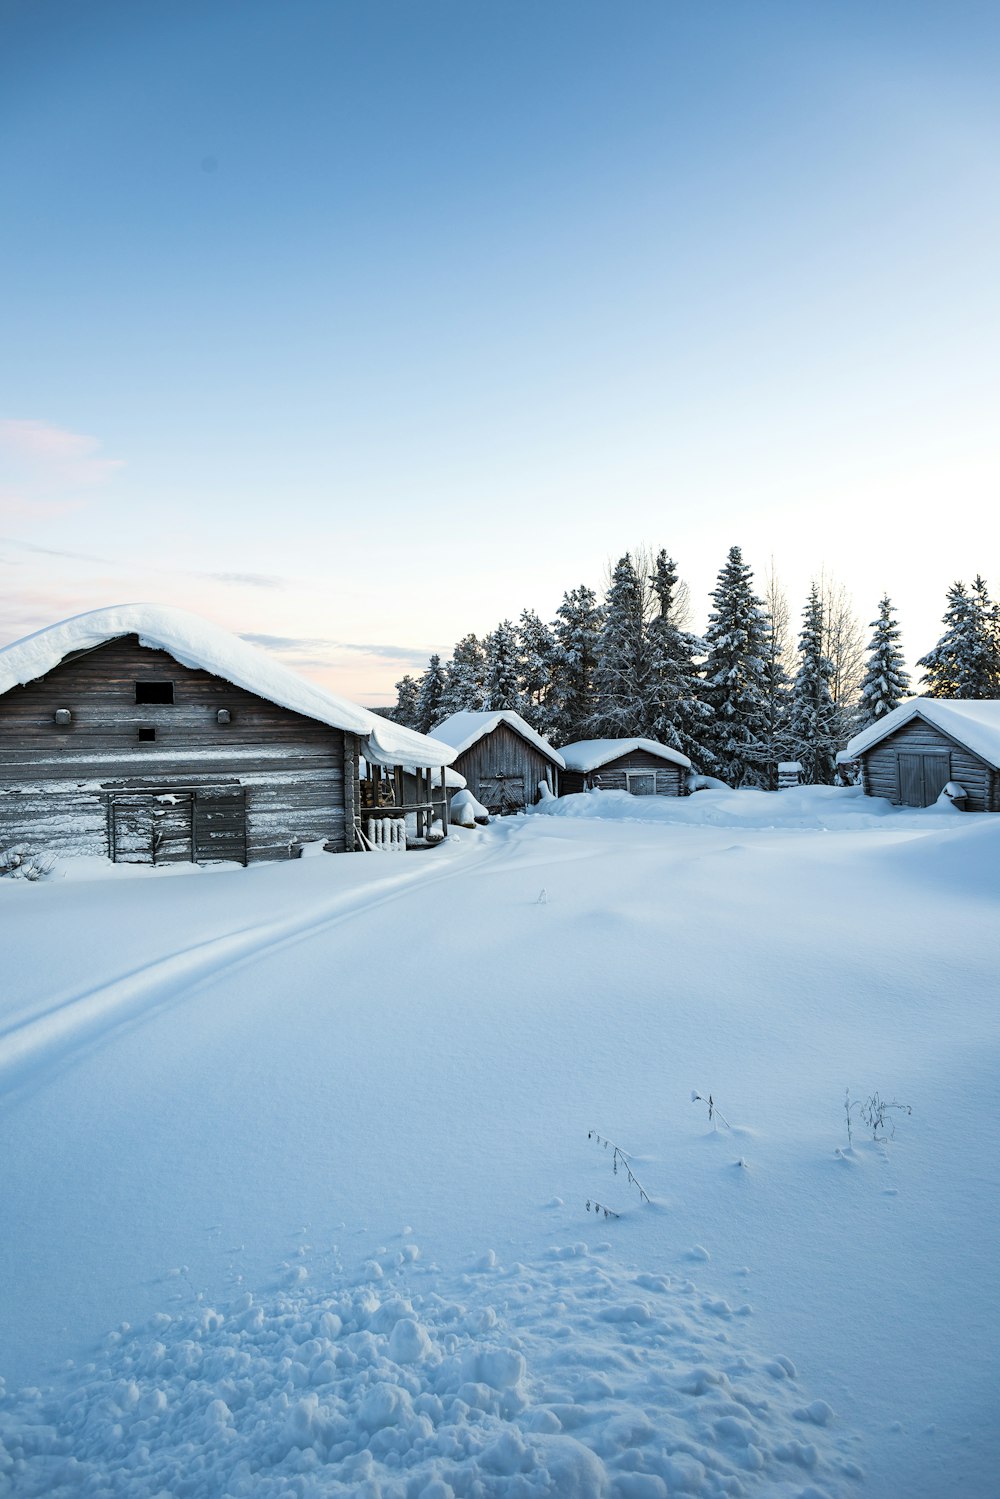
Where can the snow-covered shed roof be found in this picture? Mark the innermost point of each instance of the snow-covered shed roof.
(464, 729)
(452, 778)
(197, 643)
(591, 754)
(973, 722)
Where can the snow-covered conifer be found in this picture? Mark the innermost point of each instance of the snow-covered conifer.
(886, 682)
(735, 685)
(537, 653)
(966, 660)
(623, 678)
(429, 696)
(576, 632)
(677, 714)
(464, 679)
(503, 688)
(405, 710)
(813, 723)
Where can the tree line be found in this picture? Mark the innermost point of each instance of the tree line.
(737, 701)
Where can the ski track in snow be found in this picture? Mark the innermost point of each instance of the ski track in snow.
(53, 1036)
(571, 1376)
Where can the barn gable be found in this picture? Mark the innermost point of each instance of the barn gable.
(915, 751)
(503, 759)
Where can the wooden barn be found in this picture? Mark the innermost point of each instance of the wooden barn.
(502, 758)
(921, 747)
(149, 736)
(640, 766)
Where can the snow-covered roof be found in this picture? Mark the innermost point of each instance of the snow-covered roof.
(591, 754)
(973, 722)
(195, 642)
(464, 729)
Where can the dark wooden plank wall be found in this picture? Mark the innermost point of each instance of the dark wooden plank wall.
(55, 782)
(611, 777)
(879, 772)
(504, 752)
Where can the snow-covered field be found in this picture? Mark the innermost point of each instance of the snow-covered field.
(297, 1162)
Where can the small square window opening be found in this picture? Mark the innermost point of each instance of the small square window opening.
(154, 692)
(146, 736)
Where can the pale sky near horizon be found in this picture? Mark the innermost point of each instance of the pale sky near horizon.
(357, 327)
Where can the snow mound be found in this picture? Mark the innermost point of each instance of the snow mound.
(533, 1381)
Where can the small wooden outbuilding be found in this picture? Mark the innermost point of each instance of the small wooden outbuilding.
(146, 735)
(502, 758)
(928, 743)
(642, 767)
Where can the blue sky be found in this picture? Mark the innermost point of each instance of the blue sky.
(360, 326)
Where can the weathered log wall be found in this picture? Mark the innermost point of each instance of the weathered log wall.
(58, 782)
(504, 756)
(613, 775)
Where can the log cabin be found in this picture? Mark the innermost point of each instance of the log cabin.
(146, 735)
(642, 767)
(927, 744)
(502, 758)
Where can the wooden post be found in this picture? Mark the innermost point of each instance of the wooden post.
(444, 802)
(350, 791)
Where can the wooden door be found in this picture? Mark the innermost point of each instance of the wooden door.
(220, 824)
(501, 793)
(132, 829)
(642, 783)
(922, 778)
(173, 840)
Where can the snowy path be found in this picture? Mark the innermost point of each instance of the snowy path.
(219, 1128)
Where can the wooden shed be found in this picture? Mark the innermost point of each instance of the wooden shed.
(502, 758)
(921, 747)
(147, 735)
(640, 766)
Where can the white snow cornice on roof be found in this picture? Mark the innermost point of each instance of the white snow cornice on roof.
(193, 641)
(591, 754)
(462, 730)
(974, 722)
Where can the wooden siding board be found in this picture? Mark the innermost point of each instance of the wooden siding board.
(292, 766)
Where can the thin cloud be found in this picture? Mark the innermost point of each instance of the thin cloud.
(55, 456)
(304, 644)
(30, 546)
(248, 580)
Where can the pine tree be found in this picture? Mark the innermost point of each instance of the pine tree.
(405, 710)
(503, 689)
(886, 680)
(965, 663)
(464, 679)
(623, 679)
(576, 632)
(677, 714)
(429, 696)
(536, 648)
(735, 690)
(814, 722)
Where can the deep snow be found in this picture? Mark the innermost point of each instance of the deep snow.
(235, 1103)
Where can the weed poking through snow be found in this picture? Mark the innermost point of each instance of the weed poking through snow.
(876, 1114)
(713, 1111)
(619, 1158)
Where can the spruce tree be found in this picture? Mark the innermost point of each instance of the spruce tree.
(503, 690)
(429, 696)
(405, 710)
(536, 648)
(886, 681)
(813, 721)
(464, 679)
(576, 632)
(623, 679)
(677, 714)
(735, 685)
(965, 663)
